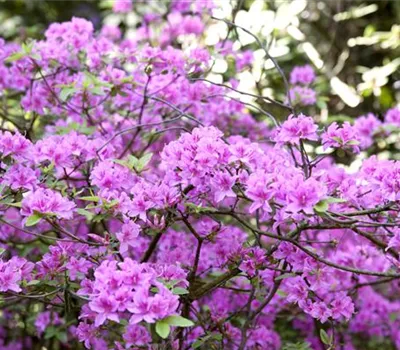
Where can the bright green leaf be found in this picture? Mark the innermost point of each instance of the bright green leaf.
(86, 213)
(143, 161)
(321, 206)
(285, 275)
(90, 198)
(33, 219)
(66, 93)
(179, 291)
(178, 321)
(162, 329)
(33, 283)
(15, 57)
(324, 337)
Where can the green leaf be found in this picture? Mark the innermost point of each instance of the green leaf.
(198, 208)
(27, 47)
(97, 91)
(66, 92)
(143, 161)
(123, 322)
(203, 340)
(178, 321)
(15, 57)
(16, 204)
(90, 198)
(121, 162)
(325, 338)
(285, 275)
(62, 337)
(179, 291)
(296, 346)
(33, 283)
(353, 143)
(335, 200)
(323, 205)
(50, 332)
(86, 213)
(281, 293)
(162, 329)
(33, 219)
(197, 344)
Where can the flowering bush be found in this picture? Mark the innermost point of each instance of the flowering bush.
(145, 206)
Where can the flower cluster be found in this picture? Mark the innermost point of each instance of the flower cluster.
(143, 205)
(301, 93)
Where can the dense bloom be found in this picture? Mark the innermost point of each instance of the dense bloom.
(345, 137)
(12, 272)
(298, 128)
(127, 236)
(175, 214)
(304, 195)
(45, 201)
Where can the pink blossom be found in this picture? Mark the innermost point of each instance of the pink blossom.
(298, 128)
(302, 75)
(122, 6)
(127, 236)
(45, 201)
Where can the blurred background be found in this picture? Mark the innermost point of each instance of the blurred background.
(355, 44)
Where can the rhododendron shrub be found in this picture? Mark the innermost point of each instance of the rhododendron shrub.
(143, 206)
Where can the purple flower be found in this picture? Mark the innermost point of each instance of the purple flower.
(260, 191)
(222, 183)
(298, 128)
(320, 311)
(14, 144)
(12, 272)
(122, 6)
(9, 278)
(345, 137)
(136, 335)
(106, 308)
(141, 307)
(394, 242)
(302, 95)
(302, 75)
(127, 236)
(44, 319)
(46, 201)
(392, 116)
(365, 127)
(342, 306)
(244, 59)
(86, 333)
(304, 195)
(78, 267)
(19, 176)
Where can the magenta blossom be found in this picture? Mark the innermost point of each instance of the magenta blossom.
(304, 195)
(128, 236)
(302, 95)
(298, 128)
(122, 6)
(345, 137)
(302, 75)
(45, 201)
